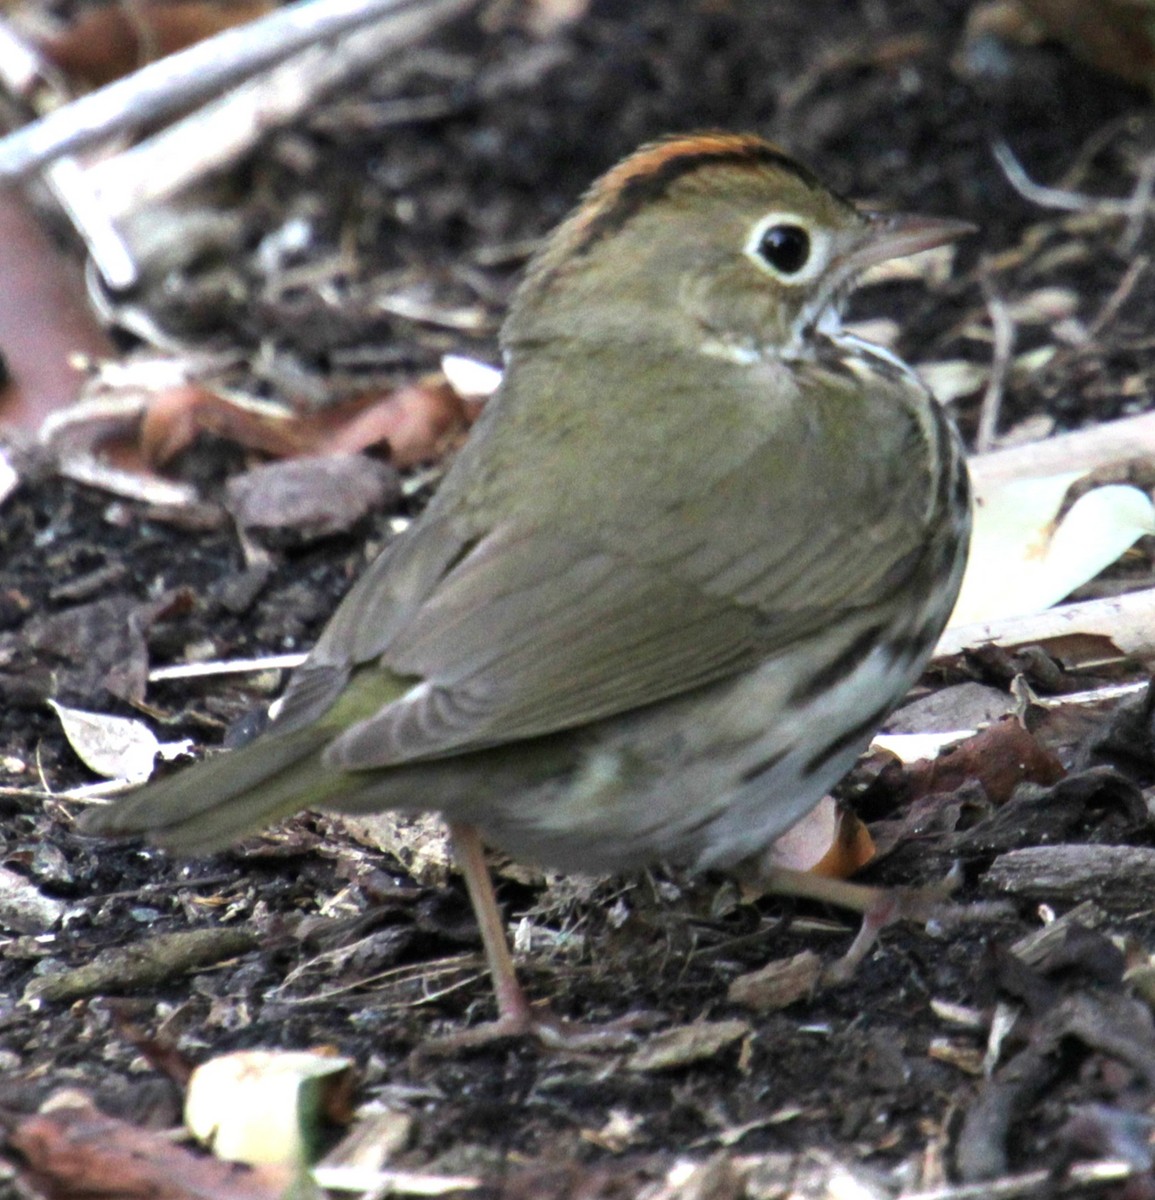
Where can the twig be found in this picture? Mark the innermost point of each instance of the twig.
(73, 191)
(181, 79)
(1047, 197)
(1124, 626)
(21, 70)
(1003, 331)
(1140, 204)
(1034, 1183)
(372, 1183)
(234, 666)
(220, 132)
(1118, 297)
(1083, 450)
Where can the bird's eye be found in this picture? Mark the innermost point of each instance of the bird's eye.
(785, 247)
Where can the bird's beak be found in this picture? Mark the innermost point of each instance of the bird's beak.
(895, 235)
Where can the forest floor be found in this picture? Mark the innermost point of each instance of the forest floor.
(434, 178)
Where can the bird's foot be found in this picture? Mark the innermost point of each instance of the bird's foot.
(882, 907)
(553, 1033)
(879, 906)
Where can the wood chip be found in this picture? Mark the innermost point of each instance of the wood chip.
(1113, 875)
(778, 984)
(686, 1044)
(24, 908)
(1035, 947)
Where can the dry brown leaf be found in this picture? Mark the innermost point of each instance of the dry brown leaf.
(108, 41)
(80, 1154)
(417, 423)
(999, 758)
(830, 840)
(46, 326)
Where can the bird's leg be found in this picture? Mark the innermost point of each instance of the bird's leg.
(878, 906)
(513, 1010)
(516, 1017)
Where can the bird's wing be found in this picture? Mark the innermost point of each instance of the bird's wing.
(530, 634)
(523, 630)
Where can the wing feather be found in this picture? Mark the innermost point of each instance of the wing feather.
(550, 619)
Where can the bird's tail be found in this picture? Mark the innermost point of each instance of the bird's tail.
(207, 806)
(224, 797)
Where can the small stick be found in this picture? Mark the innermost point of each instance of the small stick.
(181, 79)
(1048, 197)
(217, 134)
(1003, 329)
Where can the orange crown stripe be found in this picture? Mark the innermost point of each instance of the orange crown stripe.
(649, 173)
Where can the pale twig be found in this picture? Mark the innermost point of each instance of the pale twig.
(72, 190)
(1140, 204)
(233, 666)
(1111, 628)
(22, 72)
(1118, 297)
(1082, 450)
(181, 79)
(1003, 332)
(375, 1183)
(219, 133)
(1042, 1184)
(1047, 197)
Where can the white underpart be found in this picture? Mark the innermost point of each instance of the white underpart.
(416, 694)
(733, 352)
(859, 345)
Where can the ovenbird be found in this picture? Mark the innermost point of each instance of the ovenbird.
(697, 547)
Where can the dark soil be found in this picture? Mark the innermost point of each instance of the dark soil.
(888, 101)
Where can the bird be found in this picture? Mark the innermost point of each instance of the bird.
(699, 544)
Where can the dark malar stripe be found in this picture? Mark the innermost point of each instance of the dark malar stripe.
(859, 731)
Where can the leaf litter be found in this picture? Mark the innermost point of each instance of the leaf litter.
(840, 1086)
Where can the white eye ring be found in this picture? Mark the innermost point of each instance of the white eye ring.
(813, 265)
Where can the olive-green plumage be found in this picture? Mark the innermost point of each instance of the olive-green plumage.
(695, 548)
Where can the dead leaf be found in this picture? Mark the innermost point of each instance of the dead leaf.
(110, 40)
(999, 758)
(78, 1153)
(416, 423)
(1030, 548)
(115, 747)
(830, 840)
(48, 327)
(305, 499)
